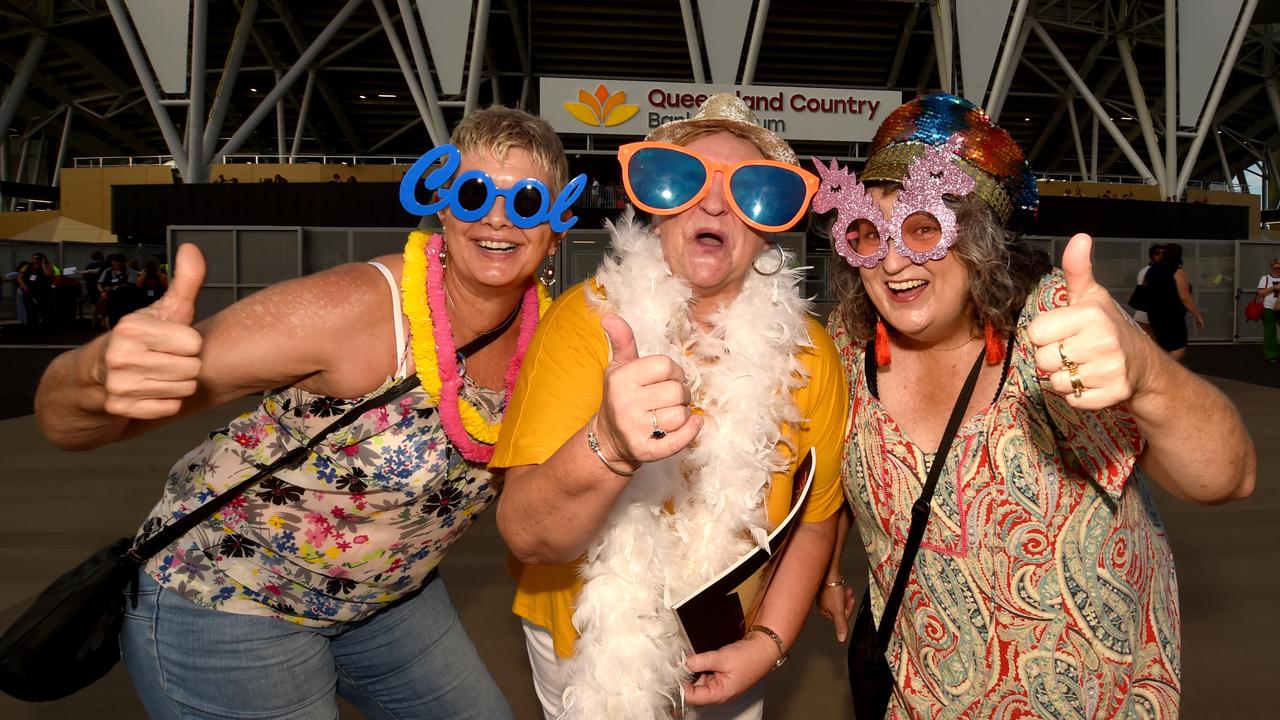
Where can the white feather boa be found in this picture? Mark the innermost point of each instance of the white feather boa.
(629, 659)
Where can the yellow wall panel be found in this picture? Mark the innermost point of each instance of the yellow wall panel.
(13, 223)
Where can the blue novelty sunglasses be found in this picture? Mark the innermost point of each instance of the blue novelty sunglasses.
(473, 193)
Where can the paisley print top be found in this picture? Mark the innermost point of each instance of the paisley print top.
(359, 524)
(1044, 587)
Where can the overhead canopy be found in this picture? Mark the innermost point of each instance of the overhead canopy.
(64, 229)
(351, 96)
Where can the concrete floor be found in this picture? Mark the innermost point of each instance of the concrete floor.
(58, 506)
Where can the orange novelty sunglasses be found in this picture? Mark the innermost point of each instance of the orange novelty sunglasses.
(665, 179)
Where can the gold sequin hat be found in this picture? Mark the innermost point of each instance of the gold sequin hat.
(727, 111)
(983, 150)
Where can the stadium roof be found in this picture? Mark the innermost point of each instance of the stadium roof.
(360, 103)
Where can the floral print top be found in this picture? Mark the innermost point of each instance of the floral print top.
(1045, 586)
(360, 523)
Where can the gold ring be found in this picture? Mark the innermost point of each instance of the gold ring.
(658, 433)
(1077, 385)
(1067, 363)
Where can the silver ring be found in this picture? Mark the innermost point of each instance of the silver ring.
(658, 433)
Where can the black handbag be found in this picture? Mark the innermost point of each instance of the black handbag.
(870, 678)
(70, 636)
(1140, 298)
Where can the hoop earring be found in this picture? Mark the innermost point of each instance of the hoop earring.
(548, 275)
(782, 260)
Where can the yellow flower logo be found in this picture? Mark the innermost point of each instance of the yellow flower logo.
(601, 109)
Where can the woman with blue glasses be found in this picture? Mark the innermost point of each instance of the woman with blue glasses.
(656, 426)
(321, 579)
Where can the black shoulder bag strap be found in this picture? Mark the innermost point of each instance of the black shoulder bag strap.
(144, 550)
(921, 509)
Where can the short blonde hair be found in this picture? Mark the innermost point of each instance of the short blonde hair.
(496, 130)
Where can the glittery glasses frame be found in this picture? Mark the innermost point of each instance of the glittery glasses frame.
(928, 179)
(626, 152)
(552, 211)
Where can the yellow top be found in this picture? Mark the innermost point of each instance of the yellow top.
(560, 389)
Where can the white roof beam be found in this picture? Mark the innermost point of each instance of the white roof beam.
(691, 39)
(1089, 98)
(1215, 96)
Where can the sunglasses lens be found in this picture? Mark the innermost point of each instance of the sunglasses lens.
(664, 179)
(921, 231)
(527, 201)
(767, 194)
(472, 194)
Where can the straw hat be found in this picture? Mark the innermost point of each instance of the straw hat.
(726, 111)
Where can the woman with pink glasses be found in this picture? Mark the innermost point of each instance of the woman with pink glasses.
(652, 437)
(1001, 410)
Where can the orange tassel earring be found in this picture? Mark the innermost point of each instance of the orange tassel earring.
(882, 343)
(995, 344)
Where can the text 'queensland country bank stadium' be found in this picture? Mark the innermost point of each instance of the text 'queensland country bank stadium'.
(777, 102)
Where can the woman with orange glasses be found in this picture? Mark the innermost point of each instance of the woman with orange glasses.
(654, 431)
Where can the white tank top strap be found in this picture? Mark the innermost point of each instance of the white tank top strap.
(397, 319)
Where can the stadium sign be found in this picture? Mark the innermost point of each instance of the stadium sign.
(633, 107)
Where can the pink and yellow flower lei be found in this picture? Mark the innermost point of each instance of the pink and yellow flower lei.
(422, 287)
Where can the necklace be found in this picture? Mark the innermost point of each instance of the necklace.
(458, 313)
(481, 340)
(953, 347)
(435, 355)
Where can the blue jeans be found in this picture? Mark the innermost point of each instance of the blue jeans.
(411, 660)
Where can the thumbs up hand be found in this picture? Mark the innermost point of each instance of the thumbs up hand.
(1092, 352)
(151, 359)
(644, 412)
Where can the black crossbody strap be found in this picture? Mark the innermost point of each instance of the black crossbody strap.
(482, 340)
(921, 509)
(143, 551)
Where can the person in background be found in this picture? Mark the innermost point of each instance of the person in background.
(92, 273)
(117, 287)
(67, 293)
(1268, 291)
(322, 579)
(1044, 586)
(152, 282)
(1154, 253)
(1170, 300)
(35, 285)
(19, 299)
(654, 431)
